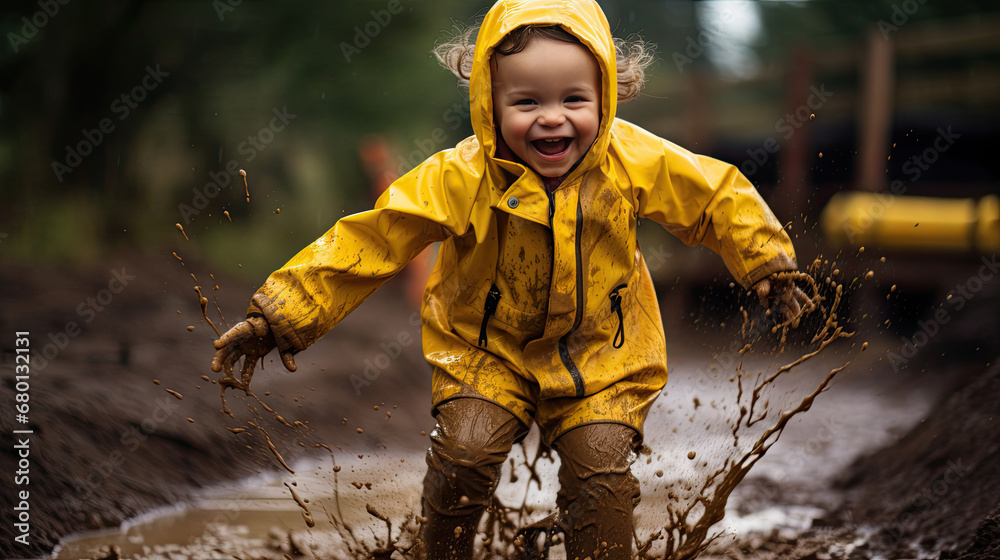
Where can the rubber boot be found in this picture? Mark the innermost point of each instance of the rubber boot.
(468, 447)
(597, 491)
(447, 537)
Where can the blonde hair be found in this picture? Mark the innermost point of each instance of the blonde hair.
(632, 55)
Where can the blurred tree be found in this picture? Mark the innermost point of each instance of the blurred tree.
(224, 69)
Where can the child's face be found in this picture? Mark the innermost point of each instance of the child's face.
(547, 103)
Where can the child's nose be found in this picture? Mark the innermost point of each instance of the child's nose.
(552, 116)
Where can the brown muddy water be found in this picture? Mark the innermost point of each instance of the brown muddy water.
(689, 435)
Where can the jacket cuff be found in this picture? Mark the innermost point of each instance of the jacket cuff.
(781, 263)
(285, 336)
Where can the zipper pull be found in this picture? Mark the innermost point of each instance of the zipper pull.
(492, 299)
(616, 307)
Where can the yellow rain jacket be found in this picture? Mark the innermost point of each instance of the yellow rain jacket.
(540, 301)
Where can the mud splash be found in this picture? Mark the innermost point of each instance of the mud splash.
(762, 410)
(245, 186)
(693, 501)
(306, 514)
(203, 302)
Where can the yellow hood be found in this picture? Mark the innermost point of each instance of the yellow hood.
(585, 20)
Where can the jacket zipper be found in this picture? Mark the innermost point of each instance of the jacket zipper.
(564, 354)
(492, 299)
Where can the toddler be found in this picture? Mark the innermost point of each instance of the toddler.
(540, 307)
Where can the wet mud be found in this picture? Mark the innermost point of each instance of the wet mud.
(112, 436)
(246, 186)
(948, 503)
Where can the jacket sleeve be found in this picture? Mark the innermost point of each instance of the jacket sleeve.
(331, 277)
(704, 201)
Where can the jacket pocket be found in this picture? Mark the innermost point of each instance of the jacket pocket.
(489, 308)
(616, 308)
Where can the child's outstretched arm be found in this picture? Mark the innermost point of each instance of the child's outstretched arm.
(328, 279)
(705, 201)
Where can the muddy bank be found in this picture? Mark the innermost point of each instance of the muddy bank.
(110, 442)
(936, 490)
(931, 494)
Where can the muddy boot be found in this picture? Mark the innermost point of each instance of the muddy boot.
(597, 491)
(536, 539)
(446, 537)
(468, 447)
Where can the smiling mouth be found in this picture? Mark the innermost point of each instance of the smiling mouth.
(552, 146)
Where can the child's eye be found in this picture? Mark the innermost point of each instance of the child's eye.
(575, 99)
(524, 102)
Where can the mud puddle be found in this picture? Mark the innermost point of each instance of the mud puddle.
(256, 517)
(260, 518)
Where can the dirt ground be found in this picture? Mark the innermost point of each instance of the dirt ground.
(112, 439)
(111, 442)
(931, 494)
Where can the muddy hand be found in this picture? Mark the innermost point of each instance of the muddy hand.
(251, 338)
(791, 300)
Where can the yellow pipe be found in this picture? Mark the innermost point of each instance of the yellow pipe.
(910, 223)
